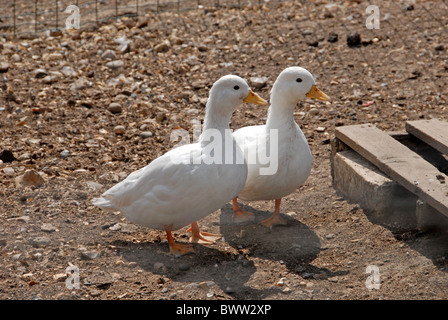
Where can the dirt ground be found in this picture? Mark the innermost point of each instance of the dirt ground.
(57, 119)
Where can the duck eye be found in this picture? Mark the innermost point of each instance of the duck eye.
(236, 87)
(299, 80)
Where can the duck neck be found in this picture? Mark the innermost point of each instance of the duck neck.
(216, 119)
(281, 111)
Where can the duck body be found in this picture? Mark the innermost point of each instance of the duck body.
(176, 189)
(290, 158)
(293, 161)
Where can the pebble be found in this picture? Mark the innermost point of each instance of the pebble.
(52, 57)
(69, 71)
(258, 82)
(115, 107)
(16, 58)
(31, 178)
(109, 54)
(229, 290)
(116, 64)
(24, 156)
(64, 154)
(90, 255)
(80, 84)
(7, 156)
(314, 112)
(162, 47)
(146, 134)
(184, 267)
(48, 227)
(40, 73)
(353, 39)
(4, 67)
(8, 171)
(40, 242)
(49, 79)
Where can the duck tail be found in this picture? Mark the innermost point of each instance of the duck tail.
(104, 203)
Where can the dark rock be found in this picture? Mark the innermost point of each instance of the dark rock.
(7, 157)
(353, 39)
(332, 37)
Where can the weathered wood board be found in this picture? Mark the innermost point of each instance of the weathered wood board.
(433, 132)
(399, 163)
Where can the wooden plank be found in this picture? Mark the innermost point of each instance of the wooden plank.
(433, 132)
(399, 163)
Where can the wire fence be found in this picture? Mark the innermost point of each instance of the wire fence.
(30, 17)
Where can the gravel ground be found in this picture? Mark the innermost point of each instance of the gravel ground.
(81, 110)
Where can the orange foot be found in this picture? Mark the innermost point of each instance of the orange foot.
(201, 236)
(275, 219)
(177, 249)
(240, 215)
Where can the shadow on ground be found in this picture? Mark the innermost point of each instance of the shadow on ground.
(294, 245)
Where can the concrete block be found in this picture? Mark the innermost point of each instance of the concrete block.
(384, 201)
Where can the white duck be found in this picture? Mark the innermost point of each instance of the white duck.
(283, 140)
(188, 182)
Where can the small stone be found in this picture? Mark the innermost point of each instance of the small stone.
(115, 107)
(408, 7)
(24, 156)
(158, 265)
(60, 277)
(40, 242)
(116, 64)
(320, 129)
(314, 112)
(281, 282)
(146, 134)
(333, 37)
(31, 178)
(80, 84)
(90, 255)
(258, 82)
(64, 154)
(4, 67)
(202, 47)
(7, 156)
(184, 267)
(353, 39)
(16, 58)
(9, 171)
(40, 73)
(229, 290)
(439, 47)
(109, 54)
(69, 71)
(329, 236)
(115, 227)
(124, 43)
(49, 79)
(120, 130)
(162, 47)
(52, 57)
(48, 227)
(94, 185)
(94, 293)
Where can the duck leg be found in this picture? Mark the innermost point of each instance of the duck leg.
(275, 218)
(177, 249)
(201, 236)
(240, 215)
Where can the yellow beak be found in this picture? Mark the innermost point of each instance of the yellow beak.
(315, 93)
(252, 97)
